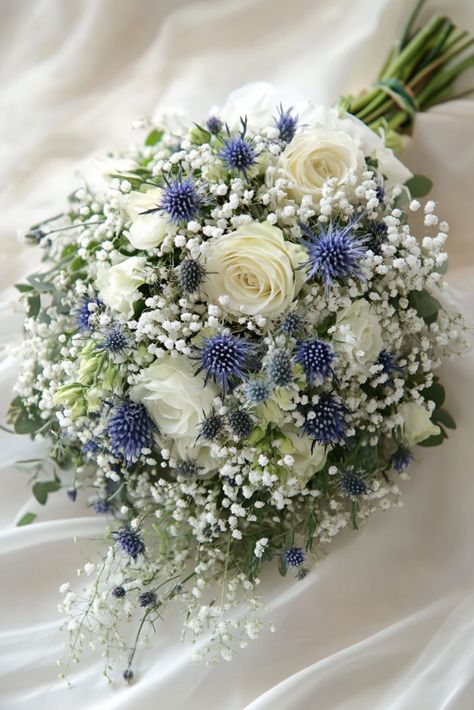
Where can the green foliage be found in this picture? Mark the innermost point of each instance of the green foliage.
(41, 489)
(153, 137)
(436, 393)
(419, 185)
(27, 519)
(426, 305)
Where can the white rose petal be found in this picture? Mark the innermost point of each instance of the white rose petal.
(308, 457)
(118, 285)
(254, 270)
(147, 230)
(358, 334)
(417, 425)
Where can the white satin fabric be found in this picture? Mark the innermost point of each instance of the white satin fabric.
(386, 620)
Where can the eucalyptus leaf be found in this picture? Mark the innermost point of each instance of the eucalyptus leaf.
(435, 393)
(27, 519)
(442, 416)
(419, 185)
(41, 490)
(434, 440)
(24, 424)
(426, 305)
(36, 280)
(23, 288)
(282, 568)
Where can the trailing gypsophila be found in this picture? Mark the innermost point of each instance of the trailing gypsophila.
(233, 352)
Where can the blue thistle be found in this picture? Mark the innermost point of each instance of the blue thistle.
(115, 340)
(334, 253)
(101, 506)
(401, 459)
(286, 124)
(223, 357)
(389, 362)
(147, 599)
(129, 541)
(210, 427)
(180, 200)
(118, 592)
(214, 125)
(291, 324)
(91, 448)
(280, 369)
(240, 423)
(191, 275)
(72, 494)
(377, 231)
(188, 468)
(326, 422)
(130, 430)
(238, 153)
(257, 391)
(353, 485)
(294, 556)
(82, 313)
(315, 357)
(128, 676)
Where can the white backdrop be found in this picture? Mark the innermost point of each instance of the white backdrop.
(386, 622)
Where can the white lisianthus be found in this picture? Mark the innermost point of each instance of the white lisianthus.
(358, 334)
(259, 102)
(176, 399)
(254, 270)
(417, 424)
(118, 285)
(147, 230)
(316, 155)
(308, 457)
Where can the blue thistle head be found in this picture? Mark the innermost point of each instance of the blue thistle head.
(83, 313)
(294, 556)
(326, 421)
(210, 427)
(129, 541)
(286, 124)
(334, 253)
(401, 459)
(114, 341)
(130, 430)
(214, 125)
(147, 599)
(180, 200)
(128, 675)
(257, 391)
(91, 448)
(188, 468)
(353, 485)
(291, 324)
(315, 357)
(377, 232)
(240, 423)
(118, 592)
(280, 369)
(72, 494)
(389, 362)
(238, 153)
(223, 358)
(101, 506)
(191, 275)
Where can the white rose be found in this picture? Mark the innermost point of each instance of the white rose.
(309, 458)
(358, 334)
(259, 101)
(316, 155)
(147, 230)
(417, 425)
(255, 269)
(176, 399)
(118, 285)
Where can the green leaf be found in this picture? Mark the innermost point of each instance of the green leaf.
(34, 306)
(442, 416)
(24, 424)
(41, 490)
(426, 305)
(282, 567)
(436, 393)
(198, 135)
(434, 440)
(23, 288)
(354, 511)
(419, 185)
(27, 519)
(154, 137)
(36, 280)
(398, 92)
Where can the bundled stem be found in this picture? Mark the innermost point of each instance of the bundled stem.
(419, 72)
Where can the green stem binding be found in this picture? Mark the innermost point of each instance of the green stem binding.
(420, 72)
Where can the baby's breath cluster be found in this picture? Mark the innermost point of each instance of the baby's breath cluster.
(233, 352)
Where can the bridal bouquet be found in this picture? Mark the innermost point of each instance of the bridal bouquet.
(233, 347)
